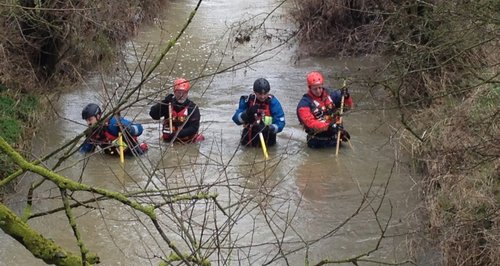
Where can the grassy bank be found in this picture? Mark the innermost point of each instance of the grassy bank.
(442, 72)
(18, 114)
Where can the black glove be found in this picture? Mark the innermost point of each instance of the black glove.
(345, 135)
(337, 126)
(334, 128)
(249, 115)
(257, 128)
(263, 128)
(169, 98)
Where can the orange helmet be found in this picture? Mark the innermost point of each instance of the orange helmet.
(314, 78)
(181, 85)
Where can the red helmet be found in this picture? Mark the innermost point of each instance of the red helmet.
(181, 85)
(314, 78)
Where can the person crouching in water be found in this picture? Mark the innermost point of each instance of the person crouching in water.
(105, 134)
(259, 112)
(317, 112)
(181, 116)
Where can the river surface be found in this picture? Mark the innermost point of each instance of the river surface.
(307, 192)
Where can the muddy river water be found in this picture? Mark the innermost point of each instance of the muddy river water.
(307, 192)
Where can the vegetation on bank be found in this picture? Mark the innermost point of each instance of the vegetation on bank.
(52, 42)
(18, 113)
(443, 73)
(47, 44)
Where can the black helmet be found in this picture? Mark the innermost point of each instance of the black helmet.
(261, 85)
(90, 110)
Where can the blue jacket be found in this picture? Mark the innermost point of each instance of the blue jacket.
(111, 128)
(275, 108)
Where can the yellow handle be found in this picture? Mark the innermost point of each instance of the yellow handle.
(263, 144)
(120, 147)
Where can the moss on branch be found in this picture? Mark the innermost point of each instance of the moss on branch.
(38, 245)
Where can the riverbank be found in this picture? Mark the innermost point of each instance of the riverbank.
(59, 42)
(18, 116)
(444, 87)
(444, 84)
(44, 48)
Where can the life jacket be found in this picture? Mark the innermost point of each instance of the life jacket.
(108, 142)
(264, 109)
(323, 109)
(178, 119)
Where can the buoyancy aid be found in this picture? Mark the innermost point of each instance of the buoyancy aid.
(323, 108)
(263, 111)
(178, 119)
(108, 142)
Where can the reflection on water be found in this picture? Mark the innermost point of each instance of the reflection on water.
(308, 192)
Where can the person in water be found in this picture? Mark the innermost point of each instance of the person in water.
(105, 133)
(181, 116)
(317, 112)
(259, 112)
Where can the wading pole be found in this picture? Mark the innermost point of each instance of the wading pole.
(263, 144)
(170, 117)
(340, 119)
(120, 147)
(170, 123)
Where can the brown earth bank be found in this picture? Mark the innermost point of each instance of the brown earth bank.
(442, 72)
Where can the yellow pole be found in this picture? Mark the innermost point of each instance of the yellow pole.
(340, 121)
(120, 147)
(263, 144)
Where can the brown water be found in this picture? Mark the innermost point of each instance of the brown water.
(312, 189)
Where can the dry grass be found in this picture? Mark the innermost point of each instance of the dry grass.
(460, 159)
(347, 27)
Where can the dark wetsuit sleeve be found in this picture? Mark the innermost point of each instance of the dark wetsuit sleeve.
(160, 110)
